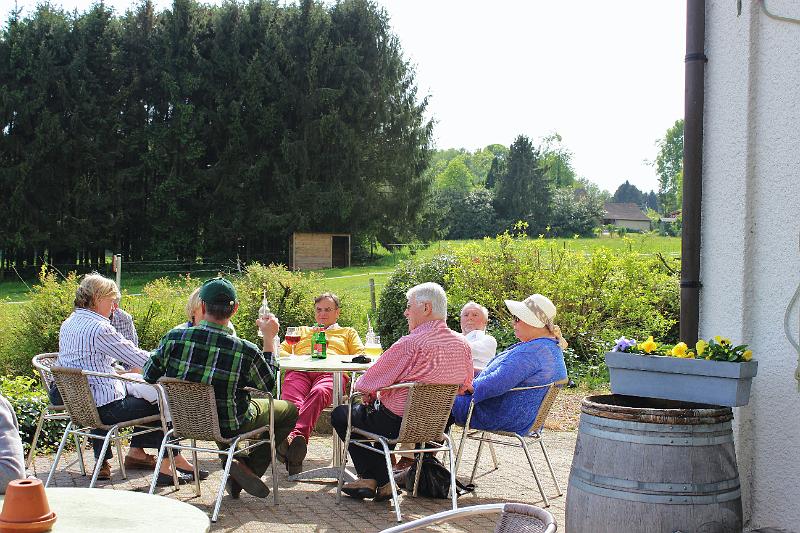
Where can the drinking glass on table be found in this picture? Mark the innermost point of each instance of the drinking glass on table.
(292, 337)
(373, 346)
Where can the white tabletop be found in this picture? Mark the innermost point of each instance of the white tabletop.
(96, 510)
(332, 363)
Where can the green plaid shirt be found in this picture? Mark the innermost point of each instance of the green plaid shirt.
(208, 353)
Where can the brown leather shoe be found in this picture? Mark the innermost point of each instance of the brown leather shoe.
(105, 471)
(247, 479)
(383, 493)
(134, 463)
(233, 488)
(361, 488)
(295, 454)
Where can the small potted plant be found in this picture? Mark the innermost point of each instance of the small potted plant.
(716, 372)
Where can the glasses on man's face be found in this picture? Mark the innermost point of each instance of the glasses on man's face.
(325, 309)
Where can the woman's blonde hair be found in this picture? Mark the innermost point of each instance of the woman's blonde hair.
(193, 304)
(92, 288)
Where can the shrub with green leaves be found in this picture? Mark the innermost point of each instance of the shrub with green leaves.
(38, 323)
(391, 322)
(28, 399)
(290, 296)
(599, 296)
(161, 307)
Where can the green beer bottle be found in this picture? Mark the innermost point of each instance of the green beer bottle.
(319, 344)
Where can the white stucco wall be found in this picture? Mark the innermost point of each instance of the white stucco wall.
(750, 261)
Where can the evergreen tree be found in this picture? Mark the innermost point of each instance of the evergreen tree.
(627, 193)
(495, 171)
(524, 192)
(652, 201)
(206, 130)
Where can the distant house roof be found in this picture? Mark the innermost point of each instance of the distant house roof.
(626, 211)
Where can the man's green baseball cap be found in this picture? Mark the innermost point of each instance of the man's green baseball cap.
(218, 291)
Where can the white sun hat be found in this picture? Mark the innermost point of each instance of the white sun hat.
(535, 310)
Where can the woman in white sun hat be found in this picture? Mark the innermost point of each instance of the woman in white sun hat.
(536, 360)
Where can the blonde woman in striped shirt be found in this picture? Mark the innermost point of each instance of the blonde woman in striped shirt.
(88, 341)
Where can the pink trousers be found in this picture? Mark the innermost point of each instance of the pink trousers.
(311, 392)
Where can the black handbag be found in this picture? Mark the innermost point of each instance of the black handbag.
(434, 480)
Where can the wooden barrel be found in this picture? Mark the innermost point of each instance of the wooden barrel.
(649, 465)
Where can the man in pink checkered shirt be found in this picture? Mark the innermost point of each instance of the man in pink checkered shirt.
(430, 353)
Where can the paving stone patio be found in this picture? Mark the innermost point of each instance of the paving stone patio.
(305, 507)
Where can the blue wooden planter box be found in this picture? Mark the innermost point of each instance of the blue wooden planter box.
(688, 380)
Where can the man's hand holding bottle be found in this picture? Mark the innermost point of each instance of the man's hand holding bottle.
(268, 325)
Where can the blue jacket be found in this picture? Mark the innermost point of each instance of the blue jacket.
(524, 364)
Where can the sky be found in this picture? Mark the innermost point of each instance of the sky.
(606, 76)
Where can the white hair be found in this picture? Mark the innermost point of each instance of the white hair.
(433, 294)
(476, 305)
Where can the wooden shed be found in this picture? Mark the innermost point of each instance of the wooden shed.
(311, 251)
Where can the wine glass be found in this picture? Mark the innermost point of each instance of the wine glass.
(292, 336)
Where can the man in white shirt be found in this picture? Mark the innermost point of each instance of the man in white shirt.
(474, 318)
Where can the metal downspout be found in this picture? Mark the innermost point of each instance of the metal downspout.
(692, 169)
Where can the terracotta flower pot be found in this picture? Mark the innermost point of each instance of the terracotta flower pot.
(25, 507)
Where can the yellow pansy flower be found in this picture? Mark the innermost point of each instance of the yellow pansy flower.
(701, 346)
(680, 350)
(649, 345)
(690, 355)
(747, 355)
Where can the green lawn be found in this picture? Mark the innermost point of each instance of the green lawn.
(354, 281)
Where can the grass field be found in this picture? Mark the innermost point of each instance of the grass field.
(354, 281)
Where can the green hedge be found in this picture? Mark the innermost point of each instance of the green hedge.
(599, 295)
(391, 322)
(33, 327)
(28, 399)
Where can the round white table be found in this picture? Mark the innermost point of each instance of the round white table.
(101, 510)
(337, 365)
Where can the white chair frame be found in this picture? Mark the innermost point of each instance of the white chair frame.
(87, 417)
(535, 432)
(179, 431)
(434, 434)
(42, 362)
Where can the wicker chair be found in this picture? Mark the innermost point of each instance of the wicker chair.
(535, 432)
(426, 412)
(42, 363)
(194, 417)
(514, 518)
(73, 384)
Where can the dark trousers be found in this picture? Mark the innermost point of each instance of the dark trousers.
(128, 408)
(369, 465)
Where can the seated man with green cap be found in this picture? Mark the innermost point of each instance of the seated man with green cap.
(210, 353)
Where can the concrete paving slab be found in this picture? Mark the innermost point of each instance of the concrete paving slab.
(313, 507)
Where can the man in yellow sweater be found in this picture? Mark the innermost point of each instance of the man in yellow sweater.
(311, 392)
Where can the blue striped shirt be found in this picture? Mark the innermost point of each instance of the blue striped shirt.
(88, 341)
(123, 322)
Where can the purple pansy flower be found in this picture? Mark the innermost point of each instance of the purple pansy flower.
(623, 344)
